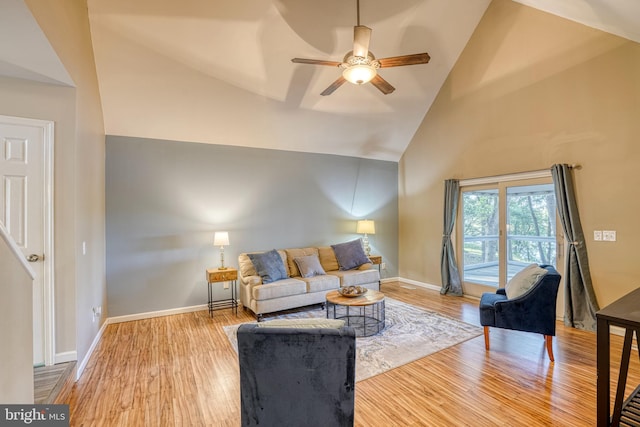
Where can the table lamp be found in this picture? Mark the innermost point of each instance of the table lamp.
(366, 226)
(221, 238)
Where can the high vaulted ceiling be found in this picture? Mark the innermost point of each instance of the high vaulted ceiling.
(220, 71)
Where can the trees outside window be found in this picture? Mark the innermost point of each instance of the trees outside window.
(503, 228)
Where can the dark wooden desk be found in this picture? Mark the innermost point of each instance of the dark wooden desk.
(624, 313)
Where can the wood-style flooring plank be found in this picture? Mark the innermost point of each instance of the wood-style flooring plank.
(181, 370)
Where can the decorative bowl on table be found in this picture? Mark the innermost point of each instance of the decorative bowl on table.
(352, 291)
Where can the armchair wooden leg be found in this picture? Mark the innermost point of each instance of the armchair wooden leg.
(549, 341)
(486, 337)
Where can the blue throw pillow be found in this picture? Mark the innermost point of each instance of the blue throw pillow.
(350, 255)
(269, 266)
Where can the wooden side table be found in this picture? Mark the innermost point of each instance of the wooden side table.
(218, 276)
(376, 260)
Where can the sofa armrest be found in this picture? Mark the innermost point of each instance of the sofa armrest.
(251, 281)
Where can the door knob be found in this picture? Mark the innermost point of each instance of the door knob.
(34, 258)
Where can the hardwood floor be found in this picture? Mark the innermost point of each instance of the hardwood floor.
(181, 370)
(51, 382)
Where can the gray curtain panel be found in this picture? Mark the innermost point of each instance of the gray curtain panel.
(448, 267)
(580, 301)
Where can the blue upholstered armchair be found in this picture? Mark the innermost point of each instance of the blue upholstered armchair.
(292, 375)
(533, 311)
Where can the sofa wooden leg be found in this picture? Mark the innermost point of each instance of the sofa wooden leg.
(486, 337)
(549, 341)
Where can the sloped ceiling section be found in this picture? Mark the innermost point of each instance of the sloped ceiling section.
(619, 17)
(221, 72)
(25, 52)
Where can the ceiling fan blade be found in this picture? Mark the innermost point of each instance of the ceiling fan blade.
(397, 61)
(316, 62)
(361, 38)
(382, 85)
(333, 86)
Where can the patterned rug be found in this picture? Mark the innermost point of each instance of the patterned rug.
(411, 333)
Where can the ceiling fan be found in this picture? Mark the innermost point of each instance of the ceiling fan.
(360, 65)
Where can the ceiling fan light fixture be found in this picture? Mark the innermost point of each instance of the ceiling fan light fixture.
(359, 74)
(359, 70)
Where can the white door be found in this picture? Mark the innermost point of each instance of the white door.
(24, 200)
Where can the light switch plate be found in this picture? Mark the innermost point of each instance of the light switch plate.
(609, 235)
(597, 235)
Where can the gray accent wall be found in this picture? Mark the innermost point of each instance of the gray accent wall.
(165, 200)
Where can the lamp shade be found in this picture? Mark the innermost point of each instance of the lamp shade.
(366, 226)
(221, 238)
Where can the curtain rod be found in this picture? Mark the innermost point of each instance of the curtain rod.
(540, 173)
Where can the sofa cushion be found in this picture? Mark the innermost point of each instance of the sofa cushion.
(350, 255)
(523, 280)
(292, 254)
(269, 266)
(245, 266)
(356, 277)
(309, 266)
(328, 258)
(279, 289)
(325, 282)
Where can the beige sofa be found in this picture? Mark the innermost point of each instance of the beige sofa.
(296, 291)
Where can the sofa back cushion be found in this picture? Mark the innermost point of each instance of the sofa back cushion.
(328, 258)
(245, 266)
(292, 254)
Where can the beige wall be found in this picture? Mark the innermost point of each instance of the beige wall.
(67, 29)
(531, 90)
(79, 168)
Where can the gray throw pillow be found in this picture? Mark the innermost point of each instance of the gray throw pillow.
(309, 266)
(350, 255)
(269, 266)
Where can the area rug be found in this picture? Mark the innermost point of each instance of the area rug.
(411, 333)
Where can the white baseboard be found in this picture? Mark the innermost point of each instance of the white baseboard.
(420, 284)
(152, 314)
(67, 356)
(93, 346)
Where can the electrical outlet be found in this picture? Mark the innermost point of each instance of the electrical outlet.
(597, 235)
(225, 285)
(609, 235)
(383, 265)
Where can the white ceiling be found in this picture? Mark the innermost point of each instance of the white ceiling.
(220, 71)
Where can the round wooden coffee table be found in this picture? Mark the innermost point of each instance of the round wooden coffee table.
(364, 313)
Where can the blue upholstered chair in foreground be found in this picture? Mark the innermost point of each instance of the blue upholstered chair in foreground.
(291, 375)
(529, 307)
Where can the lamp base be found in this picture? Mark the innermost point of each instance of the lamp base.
(222, 268)
(365, 245)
